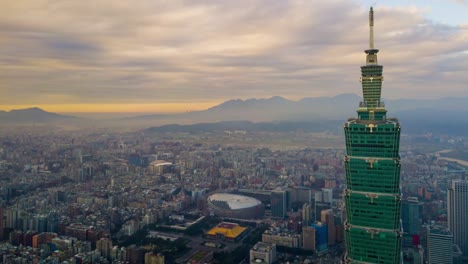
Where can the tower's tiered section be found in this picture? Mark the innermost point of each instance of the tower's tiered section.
(372, 162)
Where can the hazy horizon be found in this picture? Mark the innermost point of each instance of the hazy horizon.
(144, 109)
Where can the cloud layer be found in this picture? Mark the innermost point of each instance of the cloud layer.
(112, 52)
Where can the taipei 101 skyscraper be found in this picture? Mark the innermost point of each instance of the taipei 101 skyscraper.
(373, 231)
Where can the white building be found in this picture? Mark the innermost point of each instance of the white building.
(263, 253)
(439, 245)
(457, 209)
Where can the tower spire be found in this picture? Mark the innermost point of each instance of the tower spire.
(371, 52)
(371, 77)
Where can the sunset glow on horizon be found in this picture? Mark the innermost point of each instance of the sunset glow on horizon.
(117, 108)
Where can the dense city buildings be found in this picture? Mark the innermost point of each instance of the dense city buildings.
(54, 214)
(372, 196)
(284, 238)
(457, 213)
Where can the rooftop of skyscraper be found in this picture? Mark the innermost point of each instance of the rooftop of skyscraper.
(262, 247)
(438, 229)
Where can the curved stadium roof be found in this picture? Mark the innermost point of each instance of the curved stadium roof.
(234, 201)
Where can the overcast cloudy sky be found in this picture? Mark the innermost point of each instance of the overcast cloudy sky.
(108, 55)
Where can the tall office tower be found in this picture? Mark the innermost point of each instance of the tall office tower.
(411, 212)
(439, 245)
(1, 223)
(308, 238)
(307, 214)
(457, 209)
(278, 203)
(328, 218)
(323, 201)
(327, 195)
(321, 236)
(324, 196)
(13, 216)
(372, 196)
(104, 245)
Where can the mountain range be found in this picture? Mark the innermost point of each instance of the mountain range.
(445, 115)
(266, 110)
(32, 115)
(339, 107)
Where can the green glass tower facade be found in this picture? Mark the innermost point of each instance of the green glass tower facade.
(373, 230)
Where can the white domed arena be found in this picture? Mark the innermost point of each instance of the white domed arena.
(235, 206)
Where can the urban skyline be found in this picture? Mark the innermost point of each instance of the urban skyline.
(122, 177)
(156, 57)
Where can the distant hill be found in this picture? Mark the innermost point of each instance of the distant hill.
(278, 109)
(443, 116)
(339, 107)
(266, 110)
(32, 115)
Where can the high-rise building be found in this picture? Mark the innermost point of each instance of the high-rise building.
(411, 212)
(457, 210)
(1, 223)
(308, 238)
(318, 208)
(307, 214)
(372, 196)
(278, 203)
(13, 217)
(323, 201)
(104, 245)
(439, 245)
(321, 236)
(324, 196)
(328, 217)
(263, 253)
